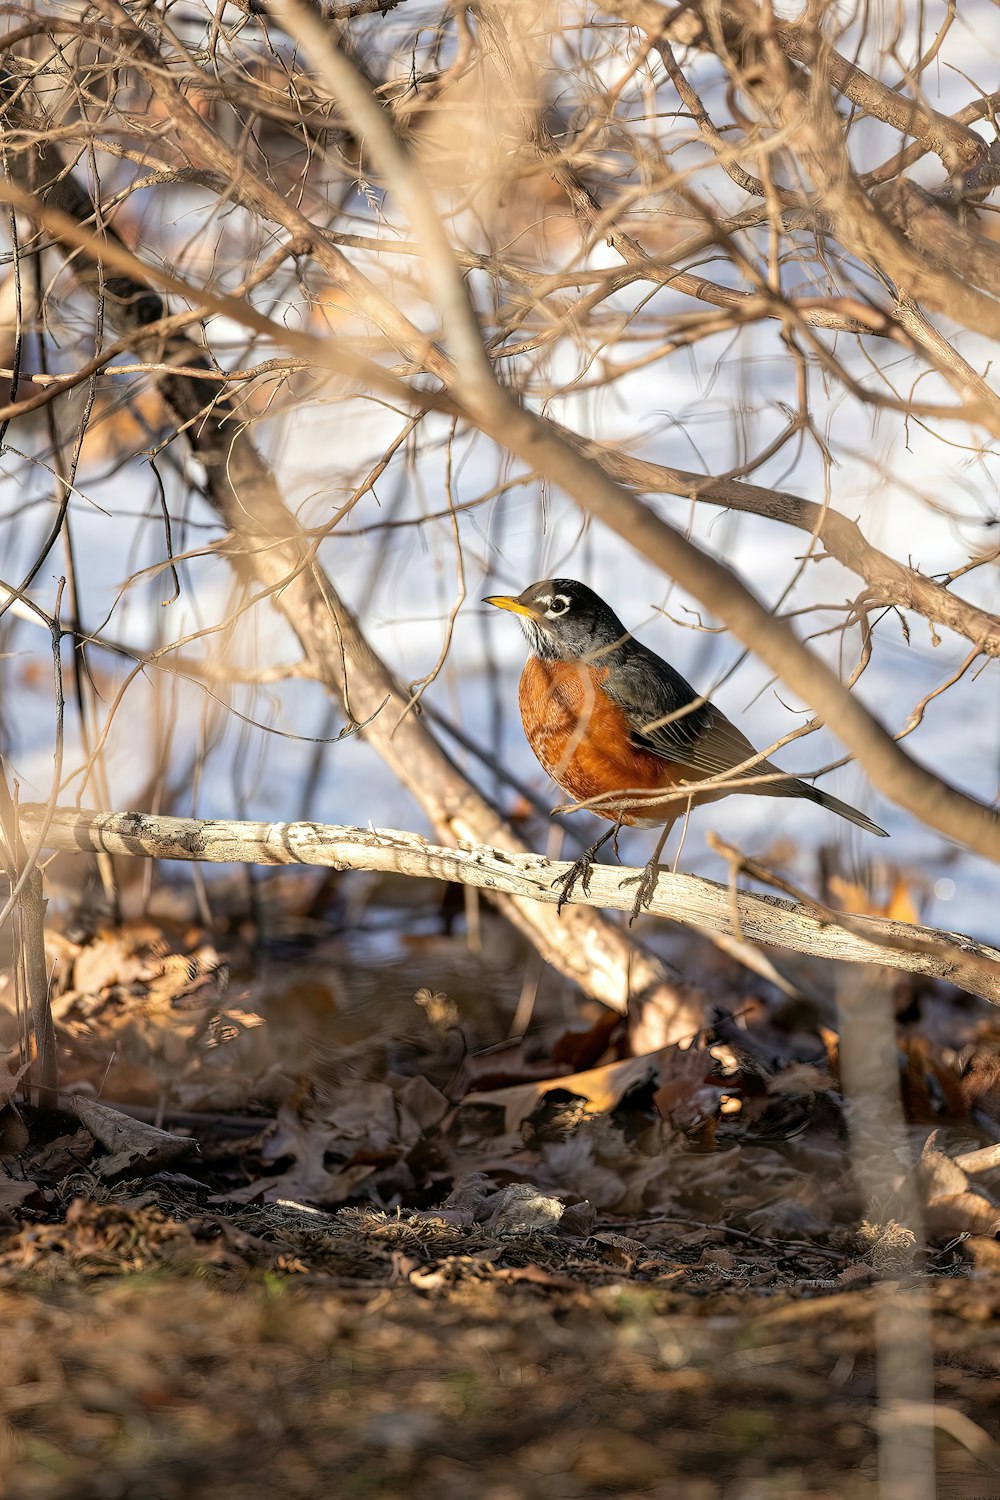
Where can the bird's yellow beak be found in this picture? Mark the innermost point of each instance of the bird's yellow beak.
(504, 601)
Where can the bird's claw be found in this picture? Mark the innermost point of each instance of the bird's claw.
(578, 872)
(581, 868)
(645, 884)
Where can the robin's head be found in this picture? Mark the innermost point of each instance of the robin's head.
(564, 620)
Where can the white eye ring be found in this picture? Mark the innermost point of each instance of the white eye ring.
(559, 606)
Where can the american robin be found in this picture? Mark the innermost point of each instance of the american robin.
(624, 733)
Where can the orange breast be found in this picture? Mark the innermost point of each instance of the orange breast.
(582, 739)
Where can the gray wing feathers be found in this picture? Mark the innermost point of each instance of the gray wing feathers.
(666, 717)
(653, 698)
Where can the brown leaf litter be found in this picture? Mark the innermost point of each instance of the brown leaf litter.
(412, 1205)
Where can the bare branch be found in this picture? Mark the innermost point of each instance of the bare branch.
(694, 902)
(889, 581)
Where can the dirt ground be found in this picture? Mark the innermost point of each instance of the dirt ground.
(168, 1384)
(301, 1227)
(460, 1373)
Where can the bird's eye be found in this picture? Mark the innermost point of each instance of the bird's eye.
(559, 606)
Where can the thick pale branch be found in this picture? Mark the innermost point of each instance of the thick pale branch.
(687, 899)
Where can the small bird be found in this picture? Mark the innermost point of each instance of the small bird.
(620, 730)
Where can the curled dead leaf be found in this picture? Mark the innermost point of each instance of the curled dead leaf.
(9, 1079)
(134, 1147)
(962, 1213)
(520, 1209)
(603, 1088)
(937, 1174)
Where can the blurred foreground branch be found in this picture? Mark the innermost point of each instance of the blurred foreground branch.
(31, 980)
(879, 1136)
(687, 899)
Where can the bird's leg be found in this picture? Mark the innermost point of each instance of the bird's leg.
(580, 869)
(646, 882)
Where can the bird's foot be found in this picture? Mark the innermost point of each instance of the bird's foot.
(580, 870)
(645, 884)
(577, 874)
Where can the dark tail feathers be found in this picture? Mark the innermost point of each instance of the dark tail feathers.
(834, 805)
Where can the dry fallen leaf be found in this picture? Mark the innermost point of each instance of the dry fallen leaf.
(898, 906)
(136, 1148)
(984, 1250)
(602, 1088)
(16, 1195)
(962, 1213)
(520, 1209)
(9, 1079)
(423, 1101)
(951, 1206)
(118, 956)
(937, 1174)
